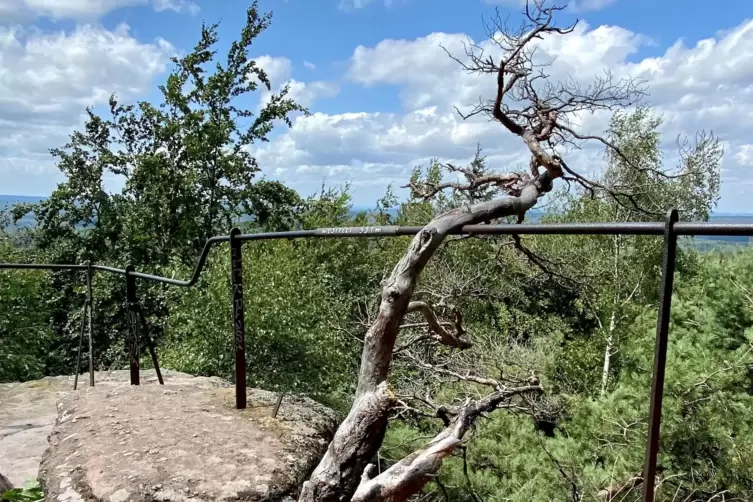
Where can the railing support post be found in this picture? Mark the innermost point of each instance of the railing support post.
(660, 355)
(80, 344)
(150, 344)
(90, 303)
(276, 409)
(86, 313)
(132, 341)
(236, 277)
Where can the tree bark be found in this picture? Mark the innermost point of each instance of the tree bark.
(360, 435)
(411, 474)
(608, 350)
(608, 353)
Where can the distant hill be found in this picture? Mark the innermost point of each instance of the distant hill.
(704, 242)
(10, 200)
(15, 199)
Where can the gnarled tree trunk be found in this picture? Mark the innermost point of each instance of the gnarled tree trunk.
(360, 435)
(541, 123)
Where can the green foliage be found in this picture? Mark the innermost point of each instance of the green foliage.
(185, 161)
(621, 272)
(557, 317)
(187, 174)
(298, 295)
(24, 324)
(599, 441)
(31, 492)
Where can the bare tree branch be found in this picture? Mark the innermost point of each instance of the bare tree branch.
(445, 336)
(611, 492)
(411, 474)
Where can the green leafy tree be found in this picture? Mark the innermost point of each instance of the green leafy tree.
(24, 318)
(302, 296)
(187, 174)
(623, 271)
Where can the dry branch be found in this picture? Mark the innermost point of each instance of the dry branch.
(360, 435)
(411, 474)
(444, 336)
(612, 492)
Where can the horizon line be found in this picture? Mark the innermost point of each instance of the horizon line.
(369, 207)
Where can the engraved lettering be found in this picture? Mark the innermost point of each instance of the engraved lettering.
(237, 296)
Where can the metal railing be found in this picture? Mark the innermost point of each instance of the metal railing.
(670, 230)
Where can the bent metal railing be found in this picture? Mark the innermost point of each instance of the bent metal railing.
(670, 229)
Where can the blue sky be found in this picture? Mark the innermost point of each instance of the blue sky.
(381, 90)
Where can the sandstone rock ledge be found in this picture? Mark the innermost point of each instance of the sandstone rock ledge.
(181, 442)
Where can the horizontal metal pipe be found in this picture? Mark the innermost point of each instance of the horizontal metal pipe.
(42, 266)
(731, 229)
(197, 271)
(508, 229)
(641, 228)
(112, 270)
(566, 229)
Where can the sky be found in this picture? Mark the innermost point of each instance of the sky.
(381, 90)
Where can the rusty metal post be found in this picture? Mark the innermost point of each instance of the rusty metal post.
(660, 355)
(90, 303)
(276, 409)
(236, 277)
(150, 345)
(132, 341)
(80, 343)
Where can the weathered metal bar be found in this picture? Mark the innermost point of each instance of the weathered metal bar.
(197, 271)
(41, 266)
(660, 355)
(731, 229)
(504, 229)
(640, 228)
(80, 344)
(90, 304)
(276, 409)
(112, 270)
(236, 277)
(132, 341)
(150, 345)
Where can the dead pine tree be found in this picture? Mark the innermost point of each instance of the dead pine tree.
(540, 112)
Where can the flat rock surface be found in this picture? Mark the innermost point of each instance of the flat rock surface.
(28, 412)
(182, 441)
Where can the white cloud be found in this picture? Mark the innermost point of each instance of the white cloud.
(428, 76)
(353, 4)
(350, 5)
(47, 79)
(744, 155)
(309, 65)
(177, 6)
(588, 5)
(574, 5)
(25, 10)
(306, 93)
(705, 86)
(279, 71)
